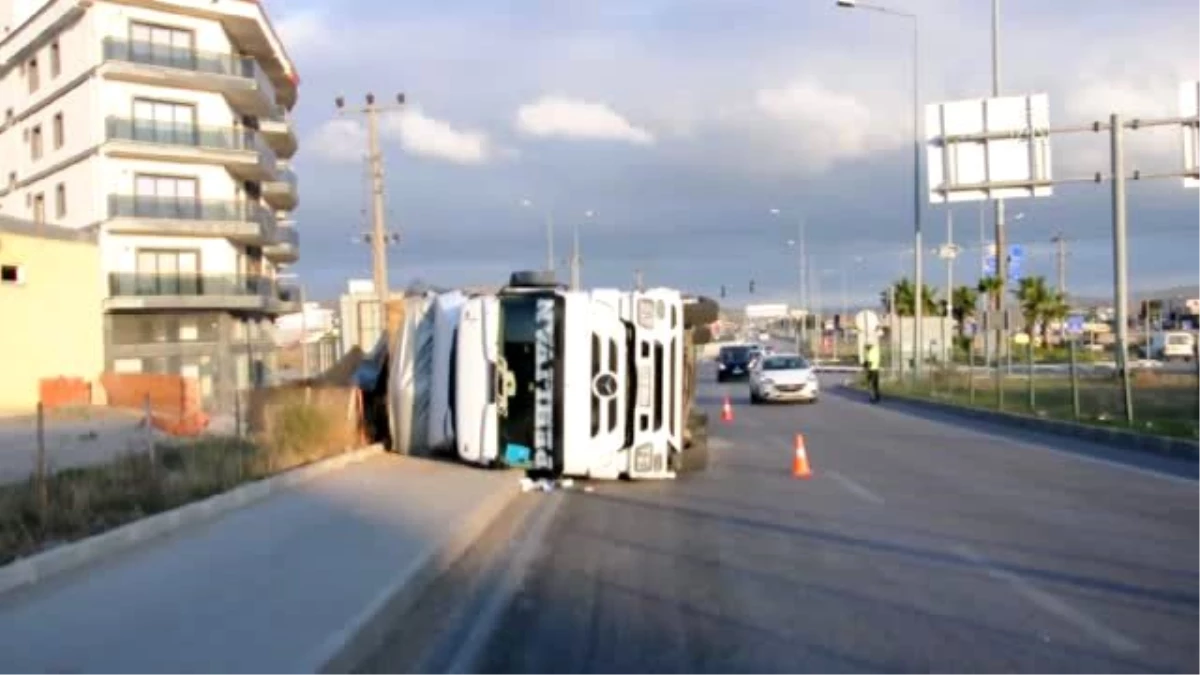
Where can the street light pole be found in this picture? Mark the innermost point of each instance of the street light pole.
(549, 217)
(378, 231)
(918, 261)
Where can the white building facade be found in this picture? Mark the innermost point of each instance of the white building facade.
(164, 126)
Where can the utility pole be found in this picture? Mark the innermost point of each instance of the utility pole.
(576, 256)
(1060, 258)
(1001, 243)
(951, 253)
(802, 269)
(638, 280)
(1120, 259)
(379, 238)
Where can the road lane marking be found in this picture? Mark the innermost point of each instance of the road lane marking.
(1051, 603)
(484, 625)
(855, 488)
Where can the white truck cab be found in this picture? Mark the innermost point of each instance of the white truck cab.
(574, 383)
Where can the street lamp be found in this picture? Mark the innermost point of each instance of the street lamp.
(916, 142)
(549, 216)
(800, 244)
(576, 259)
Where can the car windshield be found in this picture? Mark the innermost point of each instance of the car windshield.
(735, 353)
(784, 363)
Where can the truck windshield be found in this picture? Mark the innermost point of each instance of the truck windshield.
(531, 329)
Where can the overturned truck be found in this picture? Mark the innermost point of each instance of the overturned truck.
(596, 384)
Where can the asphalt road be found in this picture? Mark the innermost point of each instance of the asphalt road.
(918, 545)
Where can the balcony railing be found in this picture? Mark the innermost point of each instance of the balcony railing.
(177, 208)
(185, 135)
(138, 284)
(286, 176)
(182, 58)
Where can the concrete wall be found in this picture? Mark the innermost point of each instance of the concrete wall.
(52, 318)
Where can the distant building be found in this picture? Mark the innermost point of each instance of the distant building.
(163, 127)
(50, 295)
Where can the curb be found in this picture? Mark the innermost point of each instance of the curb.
(365, 634)
(34, 569)
(1177, 448)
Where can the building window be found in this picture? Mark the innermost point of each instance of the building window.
(168, 272)
(58, 131)
(35, 143)
(31, 71)
(166, 197)
(12, 274)
(39, 208)
(55, 60)
(164, 122)
(162, 45)
(60, 200)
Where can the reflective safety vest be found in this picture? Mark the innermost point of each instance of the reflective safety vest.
(872, 357)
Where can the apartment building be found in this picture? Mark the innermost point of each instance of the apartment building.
(163, 127)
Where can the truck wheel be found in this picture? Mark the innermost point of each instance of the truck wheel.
(533, 279)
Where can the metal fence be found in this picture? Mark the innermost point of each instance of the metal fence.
(1064, 383)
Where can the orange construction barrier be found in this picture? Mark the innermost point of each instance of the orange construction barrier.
(727, 411)
(800, 468)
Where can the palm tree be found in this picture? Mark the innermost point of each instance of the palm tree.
(990, 286)
(1039, 303)
(1056, 309)
(905, 295)
(963, 306)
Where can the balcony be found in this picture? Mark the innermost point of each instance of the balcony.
(282, 192)
(285, 249)
(131, 291)
(286, 299)
(239, 78)
(277, 128)
(241, 151)
(243, 222)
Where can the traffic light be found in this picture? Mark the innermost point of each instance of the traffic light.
(722, 291)
(751, 285)
(837, 322)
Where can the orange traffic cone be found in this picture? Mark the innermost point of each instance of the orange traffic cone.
(727, 411)
(800, 468)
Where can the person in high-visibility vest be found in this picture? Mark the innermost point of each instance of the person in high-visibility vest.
(871, 363)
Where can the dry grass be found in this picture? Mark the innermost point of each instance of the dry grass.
(76, 503)
(1164, 404)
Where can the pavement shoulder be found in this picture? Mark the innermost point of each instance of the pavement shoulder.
(301, 581)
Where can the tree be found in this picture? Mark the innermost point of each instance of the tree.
(990, 286)
(1039, 303)
(905, 294)
(963, 306)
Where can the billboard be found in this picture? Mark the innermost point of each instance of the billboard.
(767, 311)
(1189, 107)
(995, 148)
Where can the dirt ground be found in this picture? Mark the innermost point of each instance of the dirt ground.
(73, 437)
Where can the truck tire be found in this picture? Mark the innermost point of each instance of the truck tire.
(533, 279)
(701, 312)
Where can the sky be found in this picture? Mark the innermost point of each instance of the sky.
(681, 124)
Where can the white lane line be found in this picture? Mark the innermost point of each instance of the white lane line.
(513, 575)
(855, 488)
(1045, 446)
(1051, 603)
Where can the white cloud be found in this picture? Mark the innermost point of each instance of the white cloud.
(344, 139)
(423, 135)
(339, 140)
(572, 118)
(304, 30)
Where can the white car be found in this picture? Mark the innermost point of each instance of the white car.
(783, 377)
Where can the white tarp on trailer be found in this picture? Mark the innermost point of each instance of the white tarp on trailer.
(410, 374)
(447, 308)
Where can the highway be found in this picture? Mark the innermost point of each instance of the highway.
(920, 544)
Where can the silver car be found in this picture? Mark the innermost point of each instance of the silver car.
(783, 377)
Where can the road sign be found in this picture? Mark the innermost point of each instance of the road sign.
(1189, 106)
(1016, 255)
(997, 148)
(866, 321)
(1075, 324)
